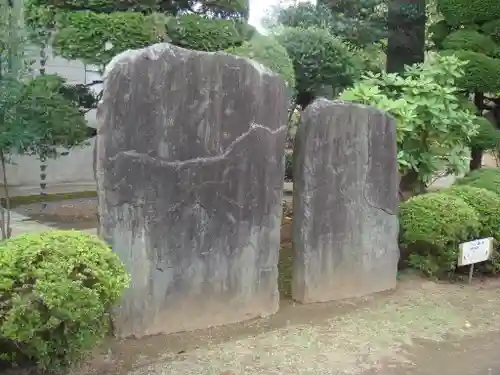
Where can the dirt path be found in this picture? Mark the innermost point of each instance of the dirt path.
(423, 328)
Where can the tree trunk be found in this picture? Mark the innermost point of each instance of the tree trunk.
(406, 42)
(476, 158)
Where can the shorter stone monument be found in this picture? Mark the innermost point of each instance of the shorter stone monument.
(345, 228)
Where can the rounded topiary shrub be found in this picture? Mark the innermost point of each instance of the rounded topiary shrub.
(56, 290)
(432, 227)
(268, 52)
(323, 64)
(487, 205)
(487, 137)
(486, 178)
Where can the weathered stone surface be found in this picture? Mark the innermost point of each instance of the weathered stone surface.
(345, 201)
(189, 166)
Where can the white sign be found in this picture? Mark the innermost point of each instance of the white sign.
(475, 251)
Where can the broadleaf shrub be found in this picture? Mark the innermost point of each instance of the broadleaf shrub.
(486, 178)
(56, 290)
(433, 128)
(432, 227)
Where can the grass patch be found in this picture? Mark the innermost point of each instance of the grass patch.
(28, 199)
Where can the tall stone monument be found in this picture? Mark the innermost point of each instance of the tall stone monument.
(345, 228)
(189, 168)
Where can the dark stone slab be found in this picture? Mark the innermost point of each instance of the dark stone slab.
(345, 227)
(190, 166)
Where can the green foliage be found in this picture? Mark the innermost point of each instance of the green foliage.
(486, 178)
(246, 30)
(471, 40)
(432, 227)
(432, 126)
(267, 51)
(204, 34)
(323, 65)
(487, 137)
(359, 22)
(485, 203)
(96, 38)
(56, 290)
(492, 29)
(482, 73)
(52, 120)
(288, 166)
(217, 8)
(13, 134)
(439, 31)
(465, 12)
(38, 118)
(100, 6)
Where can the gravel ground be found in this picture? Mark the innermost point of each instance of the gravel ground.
(421, 323)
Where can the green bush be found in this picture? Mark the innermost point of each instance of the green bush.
(56, 289)
(323, 64)
(487, 137)
(204, 34)
(267, 51)
(432, 227)
(482, 73)
(492, 29)
(439, 31)
(471, 40)
(487, 205)
(485, 202)
(486, 178)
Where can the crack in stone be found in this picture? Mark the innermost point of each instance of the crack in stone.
(207, 159)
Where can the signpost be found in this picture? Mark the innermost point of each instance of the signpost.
(474, 252)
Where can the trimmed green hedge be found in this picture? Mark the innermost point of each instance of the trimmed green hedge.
(267, 51)
(203, 34)
(471, 40)
(88, 36)
(463, 12)
(486, 178)
(432, 227)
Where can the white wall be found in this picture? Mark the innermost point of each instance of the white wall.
(73, 172)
